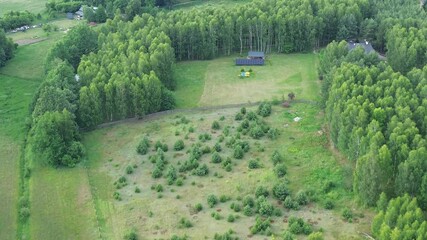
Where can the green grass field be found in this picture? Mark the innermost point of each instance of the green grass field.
(34, 6)
(310, 167)
(190, 4)
(217, 82)
(15, 96)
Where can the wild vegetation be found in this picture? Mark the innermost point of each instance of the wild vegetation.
(375, 113)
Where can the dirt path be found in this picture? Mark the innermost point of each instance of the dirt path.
(29, 41)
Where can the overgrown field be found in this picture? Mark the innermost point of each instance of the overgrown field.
(160, 192)
(217, 82)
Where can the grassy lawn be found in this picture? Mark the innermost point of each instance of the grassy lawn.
(190, 4)
(61, 204)
(155, 215)
(34, 6)
(15, 96)
(221, 83)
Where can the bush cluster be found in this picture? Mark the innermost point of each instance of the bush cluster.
(143, 146)
(298, 226)
(264, 109)
(179, 145)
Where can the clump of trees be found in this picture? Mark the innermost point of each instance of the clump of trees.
(7, 48)
(14, 19)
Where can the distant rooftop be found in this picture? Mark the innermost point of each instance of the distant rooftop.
(365, 45)
(256, 54)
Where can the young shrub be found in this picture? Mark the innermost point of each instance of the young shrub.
(212, 200)
(137, 190)
(216, 216)
(175, 237)
(264, 109)
(157, 173)
(230, 218)
(226, 131)
(286, 235)
(301, 198)
(143, 146)
(205, 137)
(245, 124)
(273, 133)
(116, 195)
(202, 170)
(280, 170)
(298, 226)
(179, 182)
(206, 149)
(24, 213)
(131, 235)
(261, 225)
(184, 223)
(159, 188)
(329, 204)
(347, 214)
(216, 158)
(247, 210)
(238, 152)
(265, 208)
(222, 118)
(254, 164)
(256, 132)
(251, 116)
(248, 201)
(129, 169)
(215, 125)
(158, 145)
(238, 117)
(191, 129)
(261, 191)
(280, 191)
(243, 110)
(198, 207)
(217, 147)
(289, 203)
(179, 145)
(224, 198)
(171, 175)
(237, 207)
(276, 157)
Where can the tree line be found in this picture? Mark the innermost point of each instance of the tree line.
(7, 48)
(14, 19)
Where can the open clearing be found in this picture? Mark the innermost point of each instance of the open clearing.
(217, 82)
(33, 6)
(157, 214)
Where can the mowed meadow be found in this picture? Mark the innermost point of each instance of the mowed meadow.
(218, 82)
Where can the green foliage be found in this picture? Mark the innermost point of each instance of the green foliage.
(276, 157)
(184, 223)
(280, 170)
(254, 164)
(205, 137)
(202, 170)
(179, 145)
(217, 147)
(264, 207)
(129, 169)
(289, 203)
(231, 218)
(131, 235)
(238, 152)
(402, 218)
(301, 198)
(198, 207)
(54, 138)
(7, 48)
(286, 235)
(143, 146)
(15, 19)
(261, 226)
(243, 110)
(256, 131)
(273, 133)
(215, 125)
(315, 236)
(212, 200)
(347, 214)
(261, 191)
(299, 226)
(264, 109)
(329, 204)
(280, 191)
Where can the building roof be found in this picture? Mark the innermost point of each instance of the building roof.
(249, 62)
(256, 54)
(365, 45)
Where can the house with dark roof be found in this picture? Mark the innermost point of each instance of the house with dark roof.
(253, 59)
(256, 55)
(365, 45)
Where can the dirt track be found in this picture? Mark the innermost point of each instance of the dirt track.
(29, 41)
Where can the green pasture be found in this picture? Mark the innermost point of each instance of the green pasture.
(217, 82)
(34, 6)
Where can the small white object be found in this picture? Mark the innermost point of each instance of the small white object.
(297, 119)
